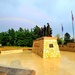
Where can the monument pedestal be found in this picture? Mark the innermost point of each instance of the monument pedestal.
(46, 47)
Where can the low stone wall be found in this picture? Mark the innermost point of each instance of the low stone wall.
(15, 71)
(68, 47)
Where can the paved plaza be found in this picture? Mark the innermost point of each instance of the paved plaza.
(28, 60)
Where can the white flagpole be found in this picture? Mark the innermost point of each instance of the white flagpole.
(62, 34)
(72, 25)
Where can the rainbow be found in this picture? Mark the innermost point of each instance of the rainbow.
(20, 19)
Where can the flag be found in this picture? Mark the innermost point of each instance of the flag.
(72, 16)
(62, 28)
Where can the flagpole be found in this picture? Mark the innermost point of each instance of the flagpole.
(73, 30)
(62, 34)
(72, 25)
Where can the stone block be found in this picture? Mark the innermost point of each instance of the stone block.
(15, 71)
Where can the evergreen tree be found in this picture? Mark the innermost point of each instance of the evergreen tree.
(67, 38)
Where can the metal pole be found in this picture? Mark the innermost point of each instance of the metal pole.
(62, 35)
(73, 30)
(72, 26)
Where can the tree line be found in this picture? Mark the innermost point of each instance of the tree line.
(21, 37)
(25, 37)
(66, 39)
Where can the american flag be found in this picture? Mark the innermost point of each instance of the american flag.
(72, 16)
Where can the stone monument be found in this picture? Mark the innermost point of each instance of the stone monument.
(46, 47)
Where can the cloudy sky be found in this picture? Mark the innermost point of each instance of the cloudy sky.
(29, 13)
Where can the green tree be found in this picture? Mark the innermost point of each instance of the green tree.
(21, 29)
(36, 30)
(4, 38)
(58, 36)
(23, 37)
(19, 38)
(0, 38)
(11, 36)
(67, 38)
(59, 40)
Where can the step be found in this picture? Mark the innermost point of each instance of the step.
(11, 51)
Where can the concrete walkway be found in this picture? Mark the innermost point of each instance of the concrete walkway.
(28, 60)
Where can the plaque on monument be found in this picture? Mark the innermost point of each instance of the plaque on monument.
(51, 45)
